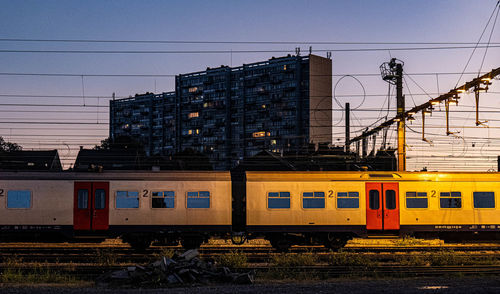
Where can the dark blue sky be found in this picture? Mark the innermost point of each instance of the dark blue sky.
(340, 21)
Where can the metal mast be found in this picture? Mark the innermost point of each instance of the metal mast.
(392, 72)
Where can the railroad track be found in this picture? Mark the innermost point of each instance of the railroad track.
(120, 254)
(91, 272)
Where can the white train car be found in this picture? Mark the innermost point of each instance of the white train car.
(138, 206)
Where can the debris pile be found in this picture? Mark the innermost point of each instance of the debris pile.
(184, 269)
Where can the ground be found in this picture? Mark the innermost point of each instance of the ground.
(469, 285)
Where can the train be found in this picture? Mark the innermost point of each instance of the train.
(286, 208)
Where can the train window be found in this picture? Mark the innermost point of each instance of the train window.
(19, 199)
(416, 200)
(100, 199)
(278, 200)
(83, 199)
(313, 200)
(165, 199)
(450, 200)
(390, 199)
(199, 199)
(127, 199)
(347, 200)
(374, 199)
(484, 199)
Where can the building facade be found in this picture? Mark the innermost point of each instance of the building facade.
(282, 104)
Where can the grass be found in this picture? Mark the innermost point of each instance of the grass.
(294, 259)
(105, 257)
(37, 274)
(342, 258)
(409, 241)
(234, 259)
(446, 258)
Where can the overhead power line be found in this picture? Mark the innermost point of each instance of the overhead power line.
(239, 51)
(174, 75)
(228, 42)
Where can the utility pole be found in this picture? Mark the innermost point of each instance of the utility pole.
(392, 72)
(400, 100)
(347, 128)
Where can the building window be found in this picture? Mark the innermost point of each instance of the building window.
(199, 199)
(313, 200)
(484, 199)
(259, 134)
(278, 200)
(193, 89)
(193, 114)
(450, 200)
(127, 199)
(165, 199)
(347, 200)
(19, 199)
(416, 200)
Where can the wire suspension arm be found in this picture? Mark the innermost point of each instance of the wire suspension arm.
(451, 94)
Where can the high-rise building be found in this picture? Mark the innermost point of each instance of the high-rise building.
(282, 104)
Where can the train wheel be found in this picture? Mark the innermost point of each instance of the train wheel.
(138, 243)
(280, 244)
(191, 242)
(335, 242)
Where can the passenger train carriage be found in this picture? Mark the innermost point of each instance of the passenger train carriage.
(287, 208)
(333, 207)
(139, 206)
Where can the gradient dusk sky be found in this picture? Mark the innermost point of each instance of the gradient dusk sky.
(64, 112)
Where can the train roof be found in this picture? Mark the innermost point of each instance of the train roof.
(372, 176)
(120, 175)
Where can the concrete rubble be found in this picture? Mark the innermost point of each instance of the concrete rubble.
(184, 269)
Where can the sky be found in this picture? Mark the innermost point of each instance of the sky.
(71, 110)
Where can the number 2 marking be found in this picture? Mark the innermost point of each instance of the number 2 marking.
(1, 192)
(433, 193)
(330, 194)
(145, 193)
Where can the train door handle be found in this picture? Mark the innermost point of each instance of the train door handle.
(95, 213)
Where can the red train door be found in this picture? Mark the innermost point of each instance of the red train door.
(91, 206)
(382, 206)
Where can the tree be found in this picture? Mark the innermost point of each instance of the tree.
(8, 146)
(120, 143)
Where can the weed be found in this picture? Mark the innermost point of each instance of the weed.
(105, 257)
(294, 259)
(445, 258)
(348, 259)
(408, 241)
(164, 252)
(36, 275)
(234, 259)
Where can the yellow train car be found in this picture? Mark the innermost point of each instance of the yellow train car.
(332, 207)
